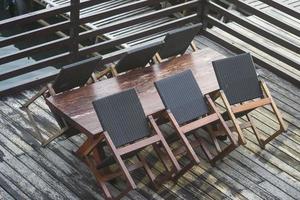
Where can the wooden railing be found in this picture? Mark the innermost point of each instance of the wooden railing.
(71, 43)
(291, 72)
(199, 11)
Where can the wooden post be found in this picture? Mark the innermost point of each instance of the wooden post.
(74, 30)
(202, 11)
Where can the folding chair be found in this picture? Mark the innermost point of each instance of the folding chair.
(177, 42)
(242, 92)
(135, 58)
(187, 110)
(126, 131)
(69, 77)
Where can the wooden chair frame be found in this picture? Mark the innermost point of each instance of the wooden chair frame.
(155, 138)
(109, 70)
(251, 105)
(46, 92)
(160, 60)
(187, 129)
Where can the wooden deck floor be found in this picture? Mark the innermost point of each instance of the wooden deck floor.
(28, 171)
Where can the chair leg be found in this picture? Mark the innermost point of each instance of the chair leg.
(37, 133)
(283, 126)
(53, 137)
(32, 99)
(223, 153)
(147, 169)
(213, 138)
(170, 155)
(160, 156)
(193, 45)
(105, 190)
(233, 119)
(204, 147)
(184, 139)
(25, 107)
(113, 71)
(98, 177)
(183, 171)
(255, 131)
(94, 78)
(158, 58)
(165, 144)
(109, 69)
(120, 161)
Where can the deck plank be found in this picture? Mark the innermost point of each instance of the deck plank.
(5, 195)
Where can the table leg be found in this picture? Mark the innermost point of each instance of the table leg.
(97, 153)
(80, 152)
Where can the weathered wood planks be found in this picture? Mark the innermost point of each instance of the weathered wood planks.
(31, 172)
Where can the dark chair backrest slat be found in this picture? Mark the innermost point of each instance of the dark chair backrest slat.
(75, 75)
(138, 57)
(181, 94)
(178, 41)
(237, 78)
(123, 117)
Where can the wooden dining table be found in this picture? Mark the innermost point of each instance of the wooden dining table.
(76, 107)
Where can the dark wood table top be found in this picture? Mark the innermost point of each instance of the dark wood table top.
(76, 105)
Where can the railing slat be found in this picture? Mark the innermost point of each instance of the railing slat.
(282, 7)
(267, 17)
(89, 3)
(120, 40)
(118, 10)
(33, 50)
(254, 28)
(138, 19)
(32, 33)
(37, 65)
(252, 42)
(33, 16)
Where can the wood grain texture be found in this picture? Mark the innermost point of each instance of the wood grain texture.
(76, 105)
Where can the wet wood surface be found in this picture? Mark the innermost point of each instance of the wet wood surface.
(76, 106)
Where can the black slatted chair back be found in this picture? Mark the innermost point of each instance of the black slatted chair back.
(177, 41)
(237, 78)
(123, 117)
(75, 75)
(181, 94)
(138, 57)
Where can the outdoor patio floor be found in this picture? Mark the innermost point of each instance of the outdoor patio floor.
(29, 171)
